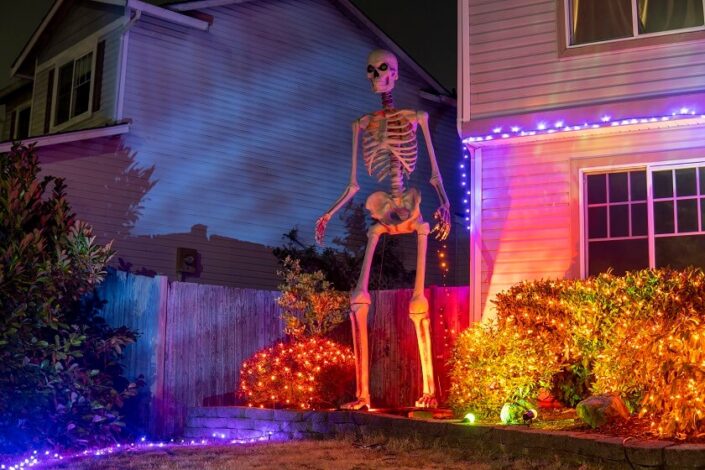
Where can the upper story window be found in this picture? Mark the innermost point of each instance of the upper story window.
(596, 21)
(73, 89)
(73, 85)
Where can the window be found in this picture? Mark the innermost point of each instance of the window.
(73, 89)
(593, 21)
(19, 122)
(617, 229)
(629, 227)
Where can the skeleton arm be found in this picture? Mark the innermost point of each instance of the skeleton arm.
(349, 192)
(442, 214)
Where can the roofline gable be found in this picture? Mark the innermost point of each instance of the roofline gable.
(146, 8)
(189, 5)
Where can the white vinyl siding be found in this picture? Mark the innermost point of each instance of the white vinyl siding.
(515, 64)
(531, 200)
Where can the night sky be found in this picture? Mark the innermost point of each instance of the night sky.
(426, 29)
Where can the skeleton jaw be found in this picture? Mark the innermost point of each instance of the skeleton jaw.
(382, 84)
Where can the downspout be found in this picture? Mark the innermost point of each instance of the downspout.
(135, 15)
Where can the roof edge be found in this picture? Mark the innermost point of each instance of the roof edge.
(353, 10)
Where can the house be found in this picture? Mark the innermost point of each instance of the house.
(583, 122)
(195, 135)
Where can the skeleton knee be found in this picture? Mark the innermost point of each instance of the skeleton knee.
(418, 306)
(360, 297)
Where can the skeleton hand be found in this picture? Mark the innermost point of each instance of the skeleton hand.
(442, 227)
(321, 228)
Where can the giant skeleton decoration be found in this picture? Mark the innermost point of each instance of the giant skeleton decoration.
(389, 149)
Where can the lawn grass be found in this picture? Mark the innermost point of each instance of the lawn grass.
(339, 453)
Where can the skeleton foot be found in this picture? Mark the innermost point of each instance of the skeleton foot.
(358, 404)
(427, 400)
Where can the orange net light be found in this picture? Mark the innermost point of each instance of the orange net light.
(311, 373)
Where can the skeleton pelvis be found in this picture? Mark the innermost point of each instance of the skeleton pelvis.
(395, 212)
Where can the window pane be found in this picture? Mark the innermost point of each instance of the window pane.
(701, 175)
(663, 217)
(619, 220)
(687, 215)
(597, 222)
(666, 15)
(620, 255)
(22, 124)
(600, 20)
(619, 192)
(81, 96)
(663, 183)
(597, 189)
(638, 185)
(82, 85)
(680, 252)
(639, 219)
(685, 182)
(702, 214)
(63, 93)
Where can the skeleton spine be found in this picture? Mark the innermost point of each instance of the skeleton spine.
(396, 174)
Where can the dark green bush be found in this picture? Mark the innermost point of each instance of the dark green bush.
(60, 380)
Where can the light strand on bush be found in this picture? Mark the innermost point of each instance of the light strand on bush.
(303, 374)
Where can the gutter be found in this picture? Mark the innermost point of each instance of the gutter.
(71, 136)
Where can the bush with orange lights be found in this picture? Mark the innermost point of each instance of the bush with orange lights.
(307, 371)
(641, 335)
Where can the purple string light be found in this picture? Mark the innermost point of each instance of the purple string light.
(544, 127)
(39, 459)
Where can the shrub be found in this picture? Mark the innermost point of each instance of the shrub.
(305, 374)
(310, 307)
(656, 359)
(641, 335)
(306, 371)
(58, 359)
(492, 366)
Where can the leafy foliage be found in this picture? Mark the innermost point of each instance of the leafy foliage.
(493, 366)
(641, 335)
(342, 266)
(308, 373)
(58, 359)
(310, 307)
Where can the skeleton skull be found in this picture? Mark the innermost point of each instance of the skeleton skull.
(382, 70)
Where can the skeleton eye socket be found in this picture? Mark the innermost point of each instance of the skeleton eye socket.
(370, 69)
(383, 67)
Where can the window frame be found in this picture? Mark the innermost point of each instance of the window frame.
(58, 62)
(16, 111)
(566, 49)
(650, 168)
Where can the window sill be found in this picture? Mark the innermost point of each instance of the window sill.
(71, 122)
(620, 45)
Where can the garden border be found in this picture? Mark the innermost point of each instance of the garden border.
(234, 422)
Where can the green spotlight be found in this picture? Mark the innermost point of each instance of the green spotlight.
(469, 418)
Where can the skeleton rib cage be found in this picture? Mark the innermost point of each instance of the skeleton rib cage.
(389, 148)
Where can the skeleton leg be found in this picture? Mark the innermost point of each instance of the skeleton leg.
(418, 311)
(360, 306)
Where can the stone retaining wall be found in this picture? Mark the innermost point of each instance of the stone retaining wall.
(279, 425)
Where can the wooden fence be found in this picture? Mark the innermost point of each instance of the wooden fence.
(193, 338)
